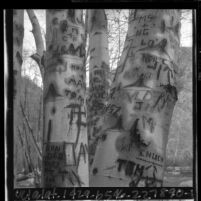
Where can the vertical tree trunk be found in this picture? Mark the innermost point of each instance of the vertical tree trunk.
(143, 96)
(98, 75)
(65, 147)
(18, 35)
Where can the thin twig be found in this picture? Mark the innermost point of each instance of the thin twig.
(31, 132)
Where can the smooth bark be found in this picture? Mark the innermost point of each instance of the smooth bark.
(132, 150)
(98, 75)
(65, 145)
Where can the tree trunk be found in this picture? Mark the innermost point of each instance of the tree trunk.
(65, 146)
(98, 75)
(18, 35)
(136, 126)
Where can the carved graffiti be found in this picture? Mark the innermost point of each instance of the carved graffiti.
(71, 50)
(69, 32)
(112, 109)
(60, 162)
(141, 18)
(76, 110)
(77, 83)
(73, 95)
(76, 67)
(137, 136)
(138, 173)
(150, 101)
(57, 65)
(150, 155)
(70, 35)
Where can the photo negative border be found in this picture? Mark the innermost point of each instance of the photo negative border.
(13, 194)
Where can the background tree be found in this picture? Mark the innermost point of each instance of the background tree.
(65, 147)
(40, 49)
(143, 95)
(18, 34)
(98, 75)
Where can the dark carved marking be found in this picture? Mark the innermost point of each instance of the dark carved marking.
(160, 46)
(79, 121)
(81, 152)
(77, 178)
(71, 15)
(118, 124)
(49, 130)
(79, 51)
(95, 171)
(92, 50)
(135, 135)
(74, 82)
(104, 137)
(52, 92)
(172, 90)
(53, 110)
(55, 21)
(177, 28)
(97, 33)
(159, 70)
(162, 26)
(129, 168)
(172, 20)
(63, 26)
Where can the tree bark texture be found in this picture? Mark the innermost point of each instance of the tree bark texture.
(65, 144)
(18, 35)
(132, 150)
(98, 75)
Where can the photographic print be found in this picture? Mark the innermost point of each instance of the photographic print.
(103, 98)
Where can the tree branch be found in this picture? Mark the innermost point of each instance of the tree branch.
(28, 158)
(40, 49)
(31, 131)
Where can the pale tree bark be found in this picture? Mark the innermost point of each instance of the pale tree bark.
(98, 75)
(133, 150)
(40, 49)
(65, 144)
(18, 34)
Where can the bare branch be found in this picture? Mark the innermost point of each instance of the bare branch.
(38, 40)
(31, 131)
(28, 158)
